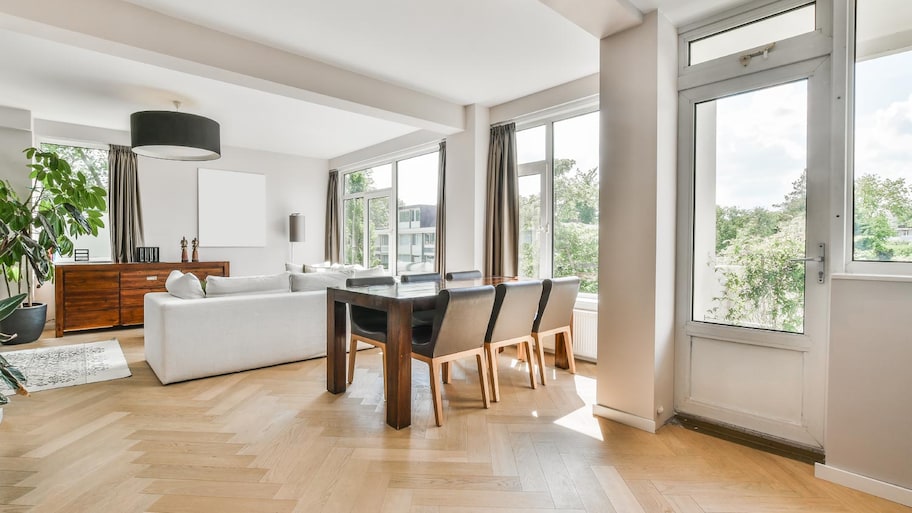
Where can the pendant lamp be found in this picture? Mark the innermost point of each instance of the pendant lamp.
(174, 135)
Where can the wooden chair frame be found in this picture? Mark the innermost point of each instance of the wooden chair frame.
(563, 350)
(492, 350)
(435, 363)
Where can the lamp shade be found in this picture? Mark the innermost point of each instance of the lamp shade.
(174, 135)
(296, 227)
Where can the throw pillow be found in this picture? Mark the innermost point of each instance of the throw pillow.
(184, 286)
(307, 282)
(368, 273)
(238, 285)
(294, 268)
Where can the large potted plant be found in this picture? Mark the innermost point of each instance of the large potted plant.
(60, 205)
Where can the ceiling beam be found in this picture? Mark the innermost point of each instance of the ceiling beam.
(125, 30)
(601, 18)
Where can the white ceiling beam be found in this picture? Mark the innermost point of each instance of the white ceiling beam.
(601, 18)
(125, 30)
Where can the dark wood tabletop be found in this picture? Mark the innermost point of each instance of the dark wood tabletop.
(399, 301)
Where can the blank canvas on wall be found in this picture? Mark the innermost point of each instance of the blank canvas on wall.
(232, 209)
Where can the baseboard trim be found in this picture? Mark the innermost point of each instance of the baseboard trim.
(624, 418)
(864, 484)
(751, 439)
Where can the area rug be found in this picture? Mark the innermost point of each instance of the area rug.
(66, 366)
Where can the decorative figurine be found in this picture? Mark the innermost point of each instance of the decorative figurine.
(183, 249)
(196, 243)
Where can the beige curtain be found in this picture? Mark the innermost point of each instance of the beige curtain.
(333, 228)
(502, 205)
(440, 239)
(124, 207)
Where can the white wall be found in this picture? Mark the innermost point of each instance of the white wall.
(293, 184)
(466, 183)
(869, 420)
(15, 136)
(638, 102)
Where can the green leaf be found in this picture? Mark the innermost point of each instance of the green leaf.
(10, 304)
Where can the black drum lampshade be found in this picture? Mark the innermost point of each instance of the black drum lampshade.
(174, 135)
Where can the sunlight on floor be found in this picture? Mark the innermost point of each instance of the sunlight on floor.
(581, 420)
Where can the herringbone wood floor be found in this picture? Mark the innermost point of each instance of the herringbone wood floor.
(273, 440)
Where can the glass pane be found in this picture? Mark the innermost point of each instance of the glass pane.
(576, 198)
(749, 209)
(353, 231)
(768, 30)
(417, 212)
(93, 163)
(367, 180)
(379, 229)
(530, 228)
(883, 132)
(530, 149)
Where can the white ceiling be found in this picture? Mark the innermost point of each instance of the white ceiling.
(460, 52)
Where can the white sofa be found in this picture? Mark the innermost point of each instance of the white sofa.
(239, 330)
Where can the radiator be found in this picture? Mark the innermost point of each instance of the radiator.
(585, 336)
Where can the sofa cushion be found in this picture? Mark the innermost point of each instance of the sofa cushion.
(294, 268)
(239, 285)
(306, 282)
(184, 286)
(368, 273)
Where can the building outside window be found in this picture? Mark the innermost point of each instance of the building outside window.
(410, 186)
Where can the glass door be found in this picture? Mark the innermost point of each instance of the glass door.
(754, 194)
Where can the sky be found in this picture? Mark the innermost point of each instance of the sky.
(761, 139)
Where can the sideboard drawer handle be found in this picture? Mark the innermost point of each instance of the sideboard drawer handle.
(151, 278)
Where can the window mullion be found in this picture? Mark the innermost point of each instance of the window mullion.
(547, 204)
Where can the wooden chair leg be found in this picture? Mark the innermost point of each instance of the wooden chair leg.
(483, 378)
(540, 355)
(446, 372)
(383, 365)
(567, 336)
(352, 351)
(522, 355)
(492, 371)
(435, 392)
(527, 344)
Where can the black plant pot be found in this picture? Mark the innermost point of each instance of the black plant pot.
(27, 322)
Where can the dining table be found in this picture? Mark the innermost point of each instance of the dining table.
(400, 301)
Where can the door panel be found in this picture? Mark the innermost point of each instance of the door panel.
(752, 199)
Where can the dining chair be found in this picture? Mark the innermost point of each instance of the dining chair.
(367, 325)
(455, 334)
(419, 277)
(464, 275)
(515, 306)
(555, 314)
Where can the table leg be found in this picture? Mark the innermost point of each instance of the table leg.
(399, 365)
(335, 344)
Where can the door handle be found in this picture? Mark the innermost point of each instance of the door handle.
(820, 259)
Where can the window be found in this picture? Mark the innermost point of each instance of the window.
(777, 27)
(882, 223)
(93, 162)
(410, 186)
(558, 187)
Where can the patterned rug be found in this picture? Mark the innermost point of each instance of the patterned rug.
(66, 366)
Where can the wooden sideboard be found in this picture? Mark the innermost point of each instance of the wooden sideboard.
(106, 295)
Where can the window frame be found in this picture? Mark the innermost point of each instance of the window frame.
(547, 118)
(92, 145)
(805, 46)
(847, 40)
(392, 192)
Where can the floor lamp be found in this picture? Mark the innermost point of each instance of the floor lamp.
(295, 231)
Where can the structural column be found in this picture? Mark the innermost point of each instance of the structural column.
(638, 154)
